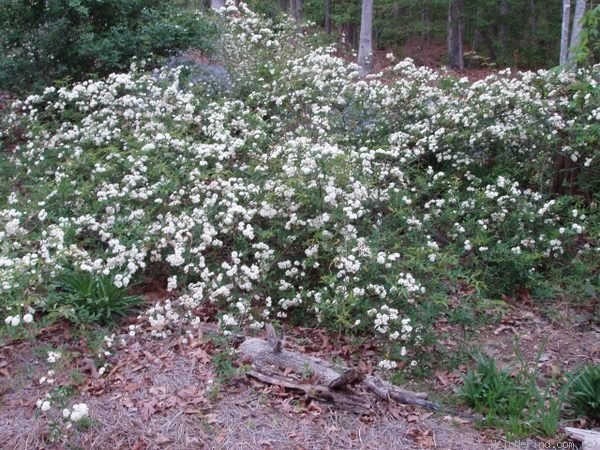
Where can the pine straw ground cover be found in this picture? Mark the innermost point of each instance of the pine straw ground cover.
(168, 394)
(183, 395)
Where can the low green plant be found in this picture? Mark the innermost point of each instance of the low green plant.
(491, 390)
(512, 399)
(584, 393)
(77, 378)
(224, 366)
(86, 298)
(225, 370)
(543, 413)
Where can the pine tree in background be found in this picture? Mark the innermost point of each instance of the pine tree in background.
(456, 9)
(365, 50)
(525, 34)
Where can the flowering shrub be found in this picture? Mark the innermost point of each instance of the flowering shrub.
(304, 193)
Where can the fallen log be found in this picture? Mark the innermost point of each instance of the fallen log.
(320, 379)
(589, 438)
(347, 401)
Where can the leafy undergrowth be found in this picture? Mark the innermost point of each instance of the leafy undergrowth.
(291, 191)
(524, 375)
(102, 38)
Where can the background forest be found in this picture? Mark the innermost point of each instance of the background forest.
(518, 33)
(69, 40)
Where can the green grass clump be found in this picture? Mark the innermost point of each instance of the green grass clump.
(584, 393)
(86, 298)
(512, 399)
(492, 390)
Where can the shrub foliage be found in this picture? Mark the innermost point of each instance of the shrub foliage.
(304, 193)
(47, 41)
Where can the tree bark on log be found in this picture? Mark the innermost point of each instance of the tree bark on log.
(320, 379)
(589, 438)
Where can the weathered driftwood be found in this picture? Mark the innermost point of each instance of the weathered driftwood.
(320, 379)
(589, 438)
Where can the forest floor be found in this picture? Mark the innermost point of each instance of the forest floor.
(173, 394)
(432, 54)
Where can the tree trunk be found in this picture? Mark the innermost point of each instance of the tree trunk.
(426, 26)
(455, 34)
(217, 4)
(576, 30)
(349, 32)
(294, 9)
(503, 27)
(532, 18)
(564, 39)
(298, 14)
(477, 35)
(328, 16)
(365, 49)
(533, 21)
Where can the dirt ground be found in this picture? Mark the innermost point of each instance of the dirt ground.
(172, 394)
(162, 395)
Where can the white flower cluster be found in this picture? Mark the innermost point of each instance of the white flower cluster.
(410, 285)
(48, 378)
(44, 404)
(76, 413)
(14, 321)
(386, 364)
(52, 357)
